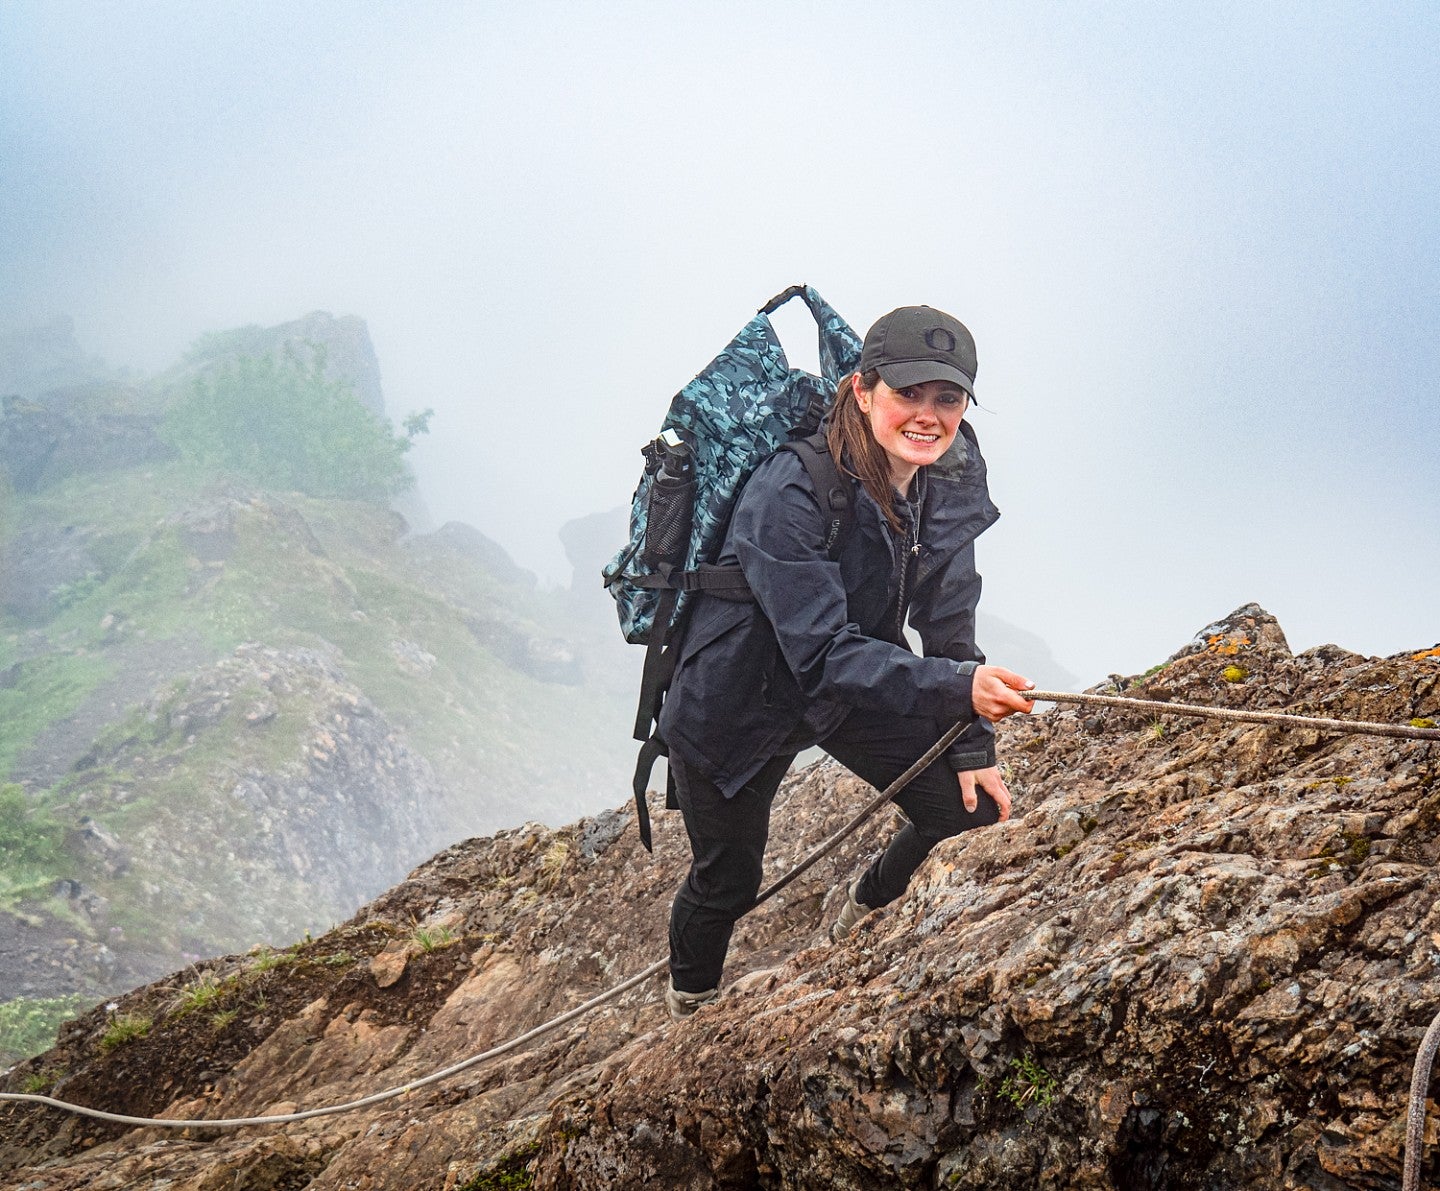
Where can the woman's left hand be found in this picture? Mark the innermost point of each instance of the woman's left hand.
(988, 780)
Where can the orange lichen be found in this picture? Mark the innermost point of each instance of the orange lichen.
(1427, 653)
(1229, 646)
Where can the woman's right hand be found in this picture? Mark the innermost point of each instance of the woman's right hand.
(993, 693)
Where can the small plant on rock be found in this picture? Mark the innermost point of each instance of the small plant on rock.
(1029, 1083)
(552, 863)
(266, 958)
(125, 1028)
(200, 995)
(39, 1082)
(433, 938)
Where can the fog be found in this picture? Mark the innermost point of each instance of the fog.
(1196, 245)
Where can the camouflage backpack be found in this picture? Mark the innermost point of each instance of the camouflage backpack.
(746, 404)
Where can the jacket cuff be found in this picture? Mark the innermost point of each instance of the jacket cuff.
(974, 748)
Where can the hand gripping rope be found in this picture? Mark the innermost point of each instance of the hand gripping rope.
(1414, 1141)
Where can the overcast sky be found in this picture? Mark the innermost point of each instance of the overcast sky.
(1197, 245)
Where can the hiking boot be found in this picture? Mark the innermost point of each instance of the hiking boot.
(850, 913)
(683, 1004)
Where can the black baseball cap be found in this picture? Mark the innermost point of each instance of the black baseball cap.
(915, 344)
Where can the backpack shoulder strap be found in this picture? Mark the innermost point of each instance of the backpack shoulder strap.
(837, 497)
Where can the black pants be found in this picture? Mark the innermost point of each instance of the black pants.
(728, 835)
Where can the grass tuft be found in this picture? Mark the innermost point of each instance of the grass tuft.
(127, 1027)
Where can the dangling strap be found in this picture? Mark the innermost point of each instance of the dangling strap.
(650, 752)
(654, 679)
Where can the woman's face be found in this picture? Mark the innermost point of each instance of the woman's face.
(914, 426)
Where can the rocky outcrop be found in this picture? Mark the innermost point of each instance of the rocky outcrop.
(462, 541)
(261, 798)
(590, 542)
(74, 431)
(1201, 955)
(44, 356)
(342, 343)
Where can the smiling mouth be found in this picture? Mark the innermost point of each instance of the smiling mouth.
(920, 438)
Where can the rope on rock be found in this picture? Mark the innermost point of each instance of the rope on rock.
(1357, 727)
(1415, 1133)
(829, 845)
(1415, 1120)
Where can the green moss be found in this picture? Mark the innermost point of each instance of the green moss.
(28, 1025)
(509, 1173)
(1421, 721)
(1357, 847)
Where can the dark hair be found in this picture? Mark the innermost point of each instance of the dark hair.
(853, 445)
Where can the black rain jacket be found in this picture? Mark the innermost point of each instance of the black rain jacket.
(822, 637)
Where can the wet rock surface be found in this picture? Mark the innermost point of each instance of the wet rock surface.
(1202, 955)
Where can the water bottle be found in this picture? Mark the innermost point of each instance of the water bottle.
(671, 508)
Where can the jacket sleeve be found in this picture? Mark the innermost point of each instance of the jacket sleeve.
(943, 613)
(777, 536)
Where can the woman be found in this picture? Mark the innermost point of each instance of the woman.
(819, 657)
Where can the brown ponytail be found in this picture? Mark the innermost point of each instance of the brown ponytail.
(853, 445)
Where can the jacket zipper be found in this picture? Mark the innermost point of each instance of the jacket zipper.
(907, 551)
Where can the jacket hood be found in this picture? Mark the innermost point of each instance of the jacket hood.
(958, 507)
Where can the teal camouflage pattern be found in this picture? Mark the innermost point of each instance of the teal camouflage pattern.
(740, 408)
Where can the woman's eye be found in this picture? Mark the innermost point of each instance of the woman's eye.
(950, 400)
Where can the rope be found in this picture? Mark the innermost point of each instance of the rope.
(1359, 727)
(544, 1028)
(1415, 1133)
(1415, 1121)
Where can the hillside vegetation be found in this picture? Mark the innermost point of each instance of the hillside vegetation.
(238, 695)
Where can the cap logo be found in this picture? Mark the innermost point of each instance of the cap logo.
(940, 340)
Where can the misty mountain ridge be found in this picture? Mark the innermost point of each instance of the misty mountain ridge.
(230, 711)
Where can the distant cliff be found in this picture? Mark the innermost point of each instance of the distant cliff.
(1201, 955)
